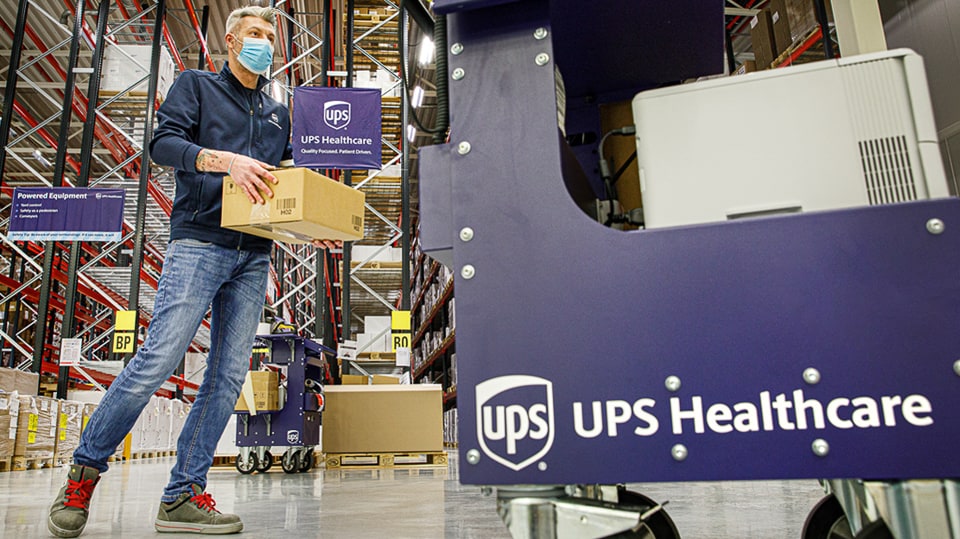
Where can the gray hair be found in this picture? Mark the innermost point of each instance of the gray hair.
(266, 13)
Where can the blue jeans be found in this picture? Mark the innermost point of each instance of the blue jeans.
(196, 275)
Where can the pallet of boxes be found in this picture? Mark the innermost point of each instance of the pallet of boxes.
(375, 422)
(30, 421)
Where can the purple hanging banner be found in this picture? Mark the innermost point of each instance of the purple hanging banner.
(336, 128)
(66, 214)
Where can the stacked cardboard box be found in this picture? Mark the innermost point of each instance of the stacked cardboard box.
(88, 409)
(780, 21)
(450, 434)
(178, 415)
(36, 427)
(803, 16)
(9, 411)
(761, 37)
(68, 428)
(24, 383)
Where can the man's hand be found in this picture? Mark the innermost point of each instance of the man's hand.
(252, 177)
(327, 244)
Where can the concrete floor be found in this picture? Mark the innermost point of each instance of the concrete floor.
(395, 503)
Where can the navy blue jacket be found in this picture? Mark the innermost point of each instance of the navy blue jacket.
(214, 111)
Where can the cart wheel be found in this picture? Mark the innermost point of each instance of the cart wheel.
(659, 525)
(306, 461)
(290, 461)
(248, 465)
(266, 463)
(827, 521)
(875, 530)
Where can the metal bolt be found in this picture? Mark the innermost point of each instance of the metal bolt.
(672, 383)
(542, 59)
(458, 73)
(456, 48)
(540, 33)
(956, 367)
(466, 234)
(468, 271)
(473, 456)
(463, 148)
(820, 447)
(542, 466)
(935, 226)
(679, 452)
(811, 376)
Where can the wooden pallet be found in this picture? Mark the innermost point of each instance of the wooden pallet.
(32, 463)
(139, 455)
(6, 464)
(366, 461)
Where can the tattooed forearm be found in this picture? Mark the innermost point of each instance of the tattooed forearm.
(207, 160)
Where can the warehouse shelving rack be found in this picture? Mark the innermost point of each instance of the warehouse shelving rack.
(58, 59)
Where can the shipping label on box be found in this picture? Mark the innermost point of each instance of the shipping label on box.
(305, 206)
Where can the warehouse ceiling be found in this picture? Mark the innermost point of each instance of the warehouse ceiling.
(34, 149)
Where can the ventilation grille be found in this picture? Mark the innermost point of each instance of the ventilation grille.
(887, 170)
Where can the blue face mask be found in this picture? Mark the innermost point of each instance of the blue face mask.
(256, 55)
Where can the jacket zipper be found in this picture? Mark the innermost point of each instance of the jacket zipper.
(250, 138)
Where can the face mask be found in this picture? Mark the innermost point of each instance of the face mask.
(256, 55)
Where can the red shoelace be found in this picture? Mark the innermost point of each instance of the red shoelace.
(79, 492)
(205, 501)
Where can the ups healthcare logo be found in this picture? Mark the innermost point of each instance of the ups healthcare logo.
(515, 419)
(336, 114)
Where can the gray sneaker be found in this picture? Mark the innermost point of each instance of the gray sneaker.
(195, 512)
(68, 514)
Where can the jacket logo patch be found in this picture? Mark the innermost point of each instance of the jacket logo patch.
(275, 120)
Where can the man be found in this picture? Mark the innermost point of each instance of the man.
(210, 125)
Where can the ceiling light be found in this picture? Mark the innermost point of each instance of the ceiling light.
(417, 99)
(411, 132)
(426, 51)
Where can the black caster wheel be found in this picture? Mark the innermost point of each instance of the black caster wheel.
(875, 530)
(306, 460)
(266, 463)
(290, 462)
(827, 521)
(658, 525)
(247, 465)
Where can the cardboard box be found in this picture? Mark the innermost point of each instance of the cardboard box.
(761, 36)
(36, 427)
(305, 206)
(383, 419)
(9, 413)
(748, 66)
(780, 19)
(119, 71)
(24, 383)
(361, 380)
(803, 16)
(69, 423)
(88, 409)
(262, 387)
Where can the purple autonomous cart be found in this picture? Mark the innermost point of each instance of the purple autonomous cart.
(297, 424)
(590, 357)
